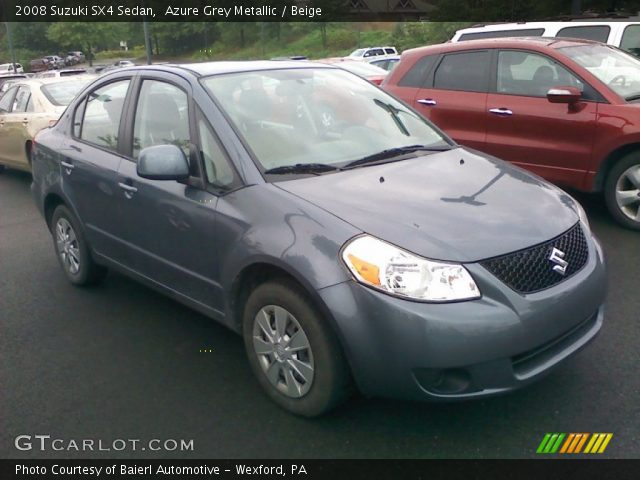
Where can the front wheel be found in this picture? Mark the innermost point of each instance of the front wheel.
(294, 354)
(622, 191)
(72, 249)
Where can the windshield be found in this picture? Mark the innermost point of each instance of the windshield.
(358, 53)
(619, 70)
(60, 94)
(312, 116)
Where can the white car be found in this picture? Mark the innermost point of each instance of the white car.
(7, 68)
(373, 53)
(624, 35)
(124, 63)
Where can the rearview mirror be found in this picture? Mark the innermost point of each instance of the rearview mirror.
(163, 162)
(564, 95)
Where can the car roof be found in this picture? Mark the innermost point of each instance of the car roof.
(37, 82)
(506, 42)
(490, 27)
(222, 67)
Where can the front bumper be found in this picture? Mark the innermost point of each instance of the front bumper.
(500, 342)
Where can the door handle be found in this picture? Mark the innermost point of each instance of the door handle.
(501, 111)
(67, 167)
(427, 101)
(129, 190)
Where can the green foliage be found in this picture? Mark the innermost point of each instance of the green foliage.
(518, 10)
(134, 52)
(87, 36)
(416, 34)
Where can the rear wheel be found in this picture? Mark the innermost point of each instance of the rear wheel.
(72, 249)
(294, 354)
(622, 191)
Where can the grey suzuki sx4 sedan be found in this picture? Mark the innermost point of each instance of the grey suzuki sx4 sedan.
(351, 243)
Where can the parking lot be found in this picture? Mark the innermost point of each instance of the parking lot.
(121, 361)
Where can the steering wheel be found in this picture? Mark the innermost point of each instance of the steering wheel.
(620, 80)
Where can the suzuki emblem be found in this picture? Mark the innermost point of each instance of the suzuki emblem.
(557, 257)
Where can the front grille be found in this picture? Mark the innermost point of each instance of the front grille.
(530, 270)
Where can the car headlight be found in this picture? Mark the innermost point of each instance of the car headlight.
(395, 271)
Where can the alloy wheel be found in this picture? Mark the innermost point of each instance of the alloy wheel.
(628, 193)
(283, 351)
(67, 245)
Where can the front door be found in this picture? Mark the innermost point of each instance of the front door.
(523, 127)
(169, 226)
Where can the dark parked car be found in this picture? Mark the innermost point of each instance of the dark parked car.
(567, 109)
(375, 252)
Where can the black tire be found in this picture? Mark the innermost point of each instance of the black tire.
(615, 179)
(331, 383)
(88, 272)
(2, 167)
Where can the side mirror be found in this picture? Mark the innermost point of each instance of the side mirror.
(163, 162)
(568, 95)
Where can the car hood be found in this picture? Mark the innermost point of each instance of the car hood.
(457, 205)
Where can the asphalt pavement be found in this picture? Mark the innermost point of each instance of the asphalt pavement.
(120, 361)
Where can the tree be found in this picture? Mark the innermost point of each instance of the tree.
(87, 35)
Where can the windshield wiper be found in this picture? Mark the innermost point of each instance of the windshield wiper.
(315, 168)
(630, 98)
(393, 153)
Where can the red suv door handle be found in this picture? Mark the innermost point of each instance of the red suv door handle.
(501, 111)
(427, 101)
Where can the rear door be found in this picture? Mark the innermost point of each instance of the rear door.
(14, 126)
(454, 96)
(553, 140)
(89, 166)
(6, 105)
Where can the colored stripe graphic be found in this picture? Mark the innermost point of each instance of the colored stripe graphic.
(573, 443)
(550, 443)
(598, 443)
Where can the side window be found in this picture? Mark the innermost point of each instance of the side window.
(631, 40)
(467, 71)
(389, 51)
(532, 75)
(216, 166)
(369, 53)
(21, 102)
(6, 101)
(417, 75)
(102, 113)
(378, 52)
(599, 33)
(162, 117)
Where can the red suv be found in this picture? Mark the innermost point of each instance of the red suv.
(569, 110)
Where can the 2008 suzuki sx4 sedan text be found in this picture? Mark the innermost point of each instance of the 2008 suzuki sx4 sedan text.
(351, 242)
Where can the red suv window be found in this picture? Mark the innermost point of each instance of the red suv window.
(475, 65)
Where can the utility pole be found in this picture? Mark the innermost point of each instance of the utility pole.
(147, 41)
(576, 7)
(11, 51)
